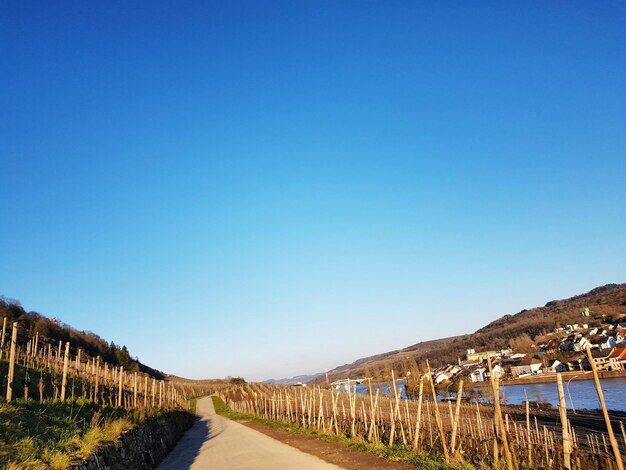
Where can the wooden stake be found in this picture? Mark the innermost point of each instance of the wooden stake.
(500, 430)
(528, 435)
(609, 427)
(437, 415)
(153, 390)
(11, 362)
(97, 386)
(419, 415)
(120, 390)
(567, 445)
(4, 333)
(135, 392)
(455, 424)
(145, 392)
(65, 365)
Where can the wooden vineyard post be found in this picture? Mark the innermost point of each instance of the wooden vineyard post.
(11, 363)
(528, 435)
(153, 390)
(437, 415)
(119, 394)
(614, 445)
(567, 445)
(135, 392)
(36, 343)
(4, 333)
(65, 365)
(419, 415)
(56, 367)
(499, 422)
(145, 392)
(455, 424)
(97, 384)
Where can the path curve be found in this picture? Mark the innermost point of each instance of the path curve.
(216, 443)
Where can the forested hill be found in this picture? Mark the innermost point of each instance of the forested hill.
(54, 330)
(606, 303)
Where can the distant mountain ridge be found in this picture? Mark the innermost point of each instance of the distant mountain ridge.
(604, 301)
(294, 380)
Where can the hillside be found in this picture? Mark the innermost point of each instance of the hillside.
(53, 330)
(608, 302)
(293, 380)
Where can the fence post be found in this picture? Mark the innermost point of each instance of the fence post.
(614, 445)
(4, 333)
(567, 445)
(12, 363)
(65, 365)
(135, 392)
(97, 386)
(119, 396)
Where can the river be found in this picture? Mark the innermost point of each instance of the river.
(579, 394)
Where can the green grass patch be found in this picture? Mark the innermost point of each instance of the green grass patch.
(191, 405)
(52, 435)
(395, 453)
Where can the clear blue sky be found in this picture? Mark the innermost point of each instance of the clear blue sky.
(272, 188)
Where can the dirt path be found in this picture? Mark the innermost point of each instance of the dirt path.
(218, 443)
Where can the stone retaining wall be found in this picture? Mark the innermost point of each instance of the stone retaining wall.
(142, 447)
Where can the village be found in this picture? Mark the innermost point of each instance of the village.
(562, 350)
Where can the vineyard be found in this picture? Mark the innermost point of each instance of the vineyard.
(41, 369)
(461, 434)
(458, 433)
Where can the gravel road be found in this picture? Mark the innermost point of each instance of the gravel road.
(216, 443)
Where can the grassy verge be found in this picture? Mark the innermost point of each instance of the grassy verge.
(35, 435)
(191, 405)
(396, 454)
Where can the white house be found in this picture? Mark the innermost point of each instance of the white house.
(441, 377)
(580, 344)
(479, 375)
(603, 342)
(497, 371)
(526, 367)
(556, 366)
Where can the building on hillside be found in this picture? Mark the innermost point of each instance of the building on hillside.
(600, 358)
(497, 371)
(556, 366)
(472, 355)
(526, 366)
(469, 363)
(580, 344)
(479, 375)
(576, 363)
(515, 357)
(602, 342)
(617, 359)
(442, 377)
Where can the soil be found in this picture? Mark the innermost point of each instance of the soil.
(331, 452)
